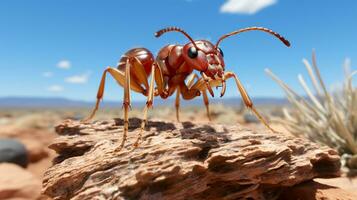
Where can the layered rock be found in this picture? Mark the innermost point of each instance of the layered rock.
(180, 161)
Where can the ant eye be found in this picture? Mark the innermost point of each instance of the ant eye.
(192, 52)
(221, 52)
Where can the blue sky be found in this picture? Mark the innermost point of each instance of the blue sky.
(60, 48)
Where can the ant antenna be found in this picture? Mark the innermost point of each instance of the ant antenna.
(170, 29)
(281, 38)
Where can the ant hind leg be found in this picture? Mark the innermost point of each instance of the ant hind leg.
(149, 101)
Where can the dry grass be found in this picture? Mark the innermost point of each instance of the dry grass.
(324, 117)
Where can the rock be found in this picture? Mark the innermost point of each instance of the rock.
(312, 190)
(17, 183)
(35, 141)
(348, 184)
(180, 161)
(13, 151)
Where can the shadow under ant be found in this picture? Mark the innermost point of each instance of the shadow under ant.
(189, 131)
(135, 123)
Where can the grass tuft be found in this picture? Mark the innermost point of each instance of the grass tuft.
(328, 118)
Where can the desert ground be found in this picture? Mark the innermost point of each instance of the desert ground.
(35, 128)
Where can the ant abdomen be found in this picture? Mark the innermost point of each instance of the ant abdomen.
(142, 55)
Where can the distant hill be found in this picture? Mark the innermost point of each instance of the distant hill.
(38, 102)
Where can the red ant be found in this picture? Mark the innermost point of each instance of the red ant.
(173, 70)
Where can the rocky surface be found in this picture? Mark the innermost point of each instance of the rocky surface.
(346, 183)
(180, 161)
(17, 183)
(313, 190)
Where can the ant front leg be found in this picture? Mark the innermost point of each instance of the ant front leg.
(202, 85)
(190, 82)
(206, 102)
(177, 104)
(187, 93)
(246, 99)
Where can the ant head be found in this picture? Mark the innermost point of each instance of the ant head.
(207, 58)
(203, 56)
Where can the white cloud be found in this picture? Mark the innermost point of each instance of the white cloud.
(245, 6)
(64, 64)
(78, 79)
(47, 74)
(55, 88)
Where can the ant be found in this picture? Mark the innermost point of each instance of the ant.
(173, 70)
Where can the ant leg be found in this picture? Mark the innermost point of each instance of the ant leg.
(138, 71)
(100, 94)
(119, 76)
(247, 101)
(190, 84)
(122, 79)
(188, 93)
(201, 85)
(159, 79)
(206, 102)
(126, 104)
(190, 80)
(177, 104)
(156, 76)
(178, 93)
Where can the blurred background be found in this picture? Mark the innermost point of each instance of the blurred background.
(53, 53)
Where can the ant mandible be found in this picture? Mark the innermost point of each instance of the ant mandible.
(173, 70)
